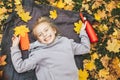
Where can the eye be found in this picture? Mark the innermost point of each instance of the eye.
(40, 35)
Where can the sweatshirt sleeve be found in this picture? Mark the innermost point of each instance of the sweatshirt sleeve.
(21, 65)
(84, 46)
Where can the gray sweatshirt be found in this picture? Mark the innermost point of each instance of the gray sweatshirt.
(54, 61)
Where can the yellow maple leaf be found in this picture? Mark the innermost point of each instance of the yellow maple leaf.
(21, 30)
(103, 73)
(25, 16)
(97, 16)
(78, 26)
(83, 74)
(60, 4)
(53, 14)
(19, 8)
(94, 56)
(113, 45)
(2, 60)
(89, 65)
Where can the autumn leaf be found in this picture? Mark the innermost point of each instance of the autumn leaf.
(103, 73)
(2, 60)
(3, 10)
(21, 30)
(78, 26)
(17, 2)
(70, 4)
(110, 6)
(69, 7)
(89, 65)
(25, 16)
(115, 33)
(102, 14)
(83, 74)
(113, 45)
(53, 14)
(94, 56)
(103, 28)
(85, 7)
(60, 4)
(19, 8)
(115, 65)
(118, 5)
(105, 61)
(97, 16)
(97, 4)
(68, 1)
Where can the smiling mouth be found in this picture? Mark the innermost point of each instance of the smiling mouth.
(47, 38)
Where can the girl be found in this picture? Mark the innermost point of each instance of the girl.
(52, 56)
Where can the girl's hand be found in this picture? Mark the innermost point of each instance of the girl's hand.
(84, 26)
(15, 41)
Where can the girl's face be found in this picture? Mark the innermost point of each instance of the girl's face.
(45, 33)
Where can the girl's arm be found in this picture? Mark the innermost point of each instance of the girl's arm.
(19, 64)
(84, 46)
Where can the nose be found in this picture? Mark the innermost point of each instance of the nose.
(44, 34)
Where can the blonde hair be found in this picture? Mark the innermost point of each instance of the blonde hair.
(42, 20)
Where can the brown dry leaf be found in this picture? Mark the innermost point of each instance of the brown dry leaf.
(111, 77)
(113, 45)
(110, 6)
(115, 67)
(3, 10)
(111, 19)
(103, 73)
(105, 61)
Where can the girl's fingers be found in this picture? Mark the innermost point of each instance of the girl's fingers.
(15, 37)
